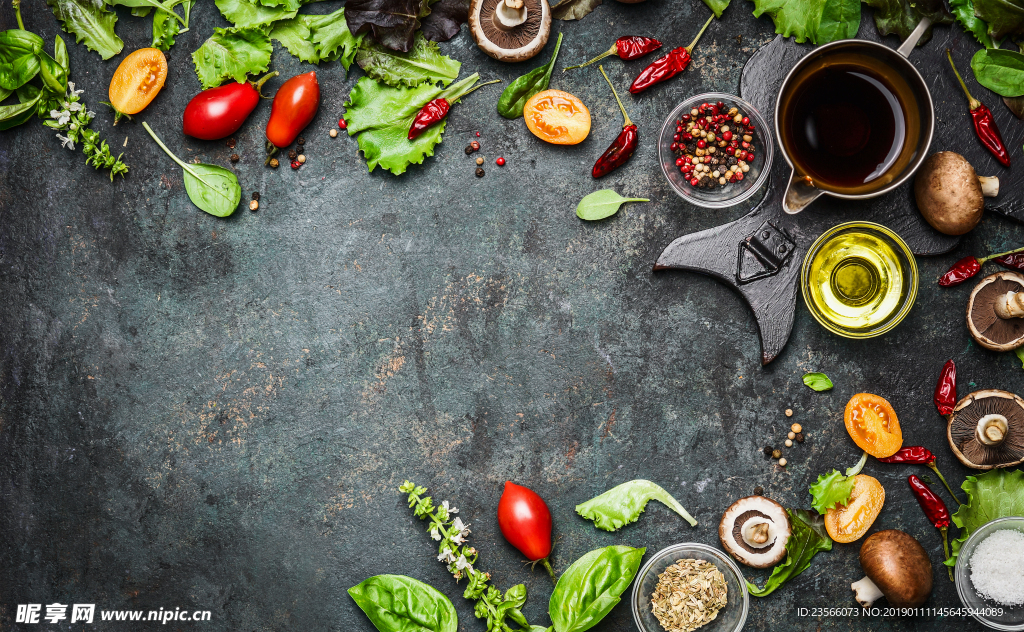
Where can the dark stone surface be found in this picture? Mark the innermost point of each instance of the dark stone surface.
(216, 414)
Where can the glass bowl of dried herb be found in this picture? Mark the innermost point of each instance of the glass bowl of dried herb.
(680, 576)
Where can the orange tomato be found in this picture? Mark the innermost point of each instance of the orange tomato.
(873, 425)
(137, 81)
(557, 117)
(846, 523)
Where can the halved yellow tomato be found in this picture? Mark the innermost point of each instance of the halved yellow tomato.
(137, 81)
(849, 522)
(557, 117)
(873, 425)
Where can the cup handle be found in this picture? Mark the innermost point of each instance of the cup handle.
(908, 46)
(799, 193)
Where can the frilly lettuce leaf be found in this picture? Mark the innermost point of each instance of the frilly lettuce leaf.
(807, 538)
(316, 38)
(624, 503)
(994, 494)
(242, 13)
(424, 63)
(90, 22)
(820, 21)
(232, 53)
(830, 490)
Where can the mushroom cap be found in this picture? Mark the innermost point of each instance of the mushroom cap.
(963, 426)
(988, 329)
(517, 44)
(763, 510)
(899, 566)
(948, 193)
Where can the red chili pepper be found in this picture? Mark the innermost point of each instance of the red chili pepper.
(667, 66)
(627, 48)
(945, 389)
(968, 267)
(984, 123)
(934, 509)
(435, 111)
(621, 150)
(919, 455)
(1013, 262)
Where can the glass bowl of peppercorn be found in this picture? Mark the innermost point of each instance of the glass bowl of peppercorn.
(716, 150)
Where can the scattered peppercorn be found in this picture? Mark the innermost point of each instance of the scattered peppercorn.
(479, 160)
(479, 172)
(709, 150)
(776, 454)
(759, 491)
(799, 437)
(300, 141)
(789, 443)
(789, 412)
(296, 164)
(500, 161)
(342, 124)
(791, 435)
(231, 142)
(475, 145)
(478, 134)
(292, 154)
(783, 462)
(333, 133)
(469, 149)
(254, 205)
(274, 162)
(796, 428)
(256, 195)
(235, 158)
(768, 450)
(302, 159)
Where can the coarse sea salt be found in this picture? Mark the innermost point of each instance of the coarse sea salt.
(997, 567)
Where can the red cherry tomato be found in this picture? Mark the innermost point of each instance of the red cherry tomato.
(526, 522)
(219, 112)
(295, 105)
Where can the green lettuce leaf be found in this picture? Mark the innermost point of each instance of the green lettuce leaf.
(232, 53)
(90, 22)
(333, 41)
(294, 35)
(717, 6)
(165, 27)
(624, 503)
(963, 11)
(807, 538)
(820, 21)
(830, 490)
(994, 494)
(243, 13)
(900, 17)
(1004, 17)
(424, 63)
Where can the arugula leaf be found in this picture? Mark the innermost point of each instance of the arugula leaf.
(232, 53)
(820, 21)
(807, 538)
(90, 22)
(994, 494)
(423, 64)
(900, 17)
(445, 20)
(963, 11)
(830, 490)
(818, 381)
(717, 6)
(1001, 71)
(332, 38)
(242, 13)
(393, 23)
(1004, 17)
(624, 503)
(574, 9)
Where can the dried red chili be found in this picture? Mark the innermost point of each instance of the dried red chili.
(435, 111)
(969, 267)
(624, 145)
(934, 509)
(984, 123)
(945, 389)
(667, 66)
(627, 48)
(920, 455)
(1014, 261)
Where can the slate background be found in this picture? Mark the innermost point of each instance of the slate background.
(216, 413)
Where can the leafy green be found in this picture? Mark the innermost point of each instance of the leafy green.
(393, 23)
(1019, 350)
(213, 189)
(820, 21)
(624, 503)
(830, 490)
(900, 17)
(818, 381)
(574, 9)
(445, 20)
(316, 38)
(602, 204)
(515, 96)
(424, 63)
(90, 22)
(232, 53)
(589, 589)
(242, 13)
(19, 58)
(717, 6)
(994, 494)
(1004, 17)
(807, 538)
(1001, 71)
(396, 603)
(294, 35)
(166, 26)
(963, 11)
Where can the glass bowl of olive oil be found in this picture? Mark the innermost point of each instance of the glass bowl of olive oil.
(859, 279)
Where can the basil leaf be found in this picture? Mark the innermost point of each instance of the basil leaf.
(396, 603)
(393, 23)
(589, 589)
(820, 21)
(424, 63)
(53, 74)
(574, 9)
(900, 17)
(1004, 17)
(14, 115)
(963, 11)
(818, 381)
(994, 494)
(213, 189)
(232, 53)
(60, 53)
(19, 61)
(602, 204)
(4, 93)
(717, 6)
(90, 22)
(808, 536)
(242, 13)
(515, 96)
(624, 503)
(1001, 71)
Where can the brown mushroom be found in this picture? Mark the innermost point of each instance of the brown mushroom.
(754, 530)
(510, 30)
(986, 430)
(995, 314)
(950, 195)
(897, 567)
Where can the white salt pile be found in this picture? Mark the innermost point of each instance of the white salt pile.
(997, 567)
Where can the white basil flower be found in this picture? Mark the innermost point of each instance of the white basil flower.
(451, 510)
(66, 142)
(461, 563)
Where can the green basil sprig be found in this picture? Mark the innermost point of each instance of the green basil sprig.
(396, 603)
(515, 96)
(589, 589)
(1001, 71)
(624, 503)
(213, 189)
(818, 381)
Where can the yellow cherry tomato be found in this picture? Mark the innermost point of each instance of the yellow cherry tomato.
(873, 426)
(137, 81)
(849, 522)
(557, 117)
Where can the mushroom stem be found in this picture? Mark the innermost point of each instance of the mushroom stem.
(690, 48)
(626, 121)
(509, 14)
(992, 430)
(973, 103)
(866, 592)
(989, 185)
(1010, 305)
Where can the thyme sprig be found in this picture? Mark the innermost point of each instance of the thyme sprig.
(452, 534)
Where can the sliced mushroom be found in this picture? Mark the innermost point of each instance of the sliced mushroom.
(986, 430)
(995, 313)
(754, 530)
(950, 195)
(510, 30)
(895, 566)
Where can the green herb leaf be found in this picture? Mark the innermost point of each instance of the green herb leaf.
(332, 38)
(424, 63)
(963, 11)
(900, 17)
(624, 503)
(830, 490)
(19, 57)
(574, 9)
(294, 35)
(60, 53)
(807, 538)
(1004, 17)
(90, 22)
(54, 77)
(393, 23)
(232, 53)
(515, 96)
(589, 589)
(242, 13)
(717, 6)
(1001, 71)
(396, 603)
(213, 189)
(602, 204)
(1020, 355)
(818, 381)
(820, 21)
(994, 494)
(14, 115)
(165, 27)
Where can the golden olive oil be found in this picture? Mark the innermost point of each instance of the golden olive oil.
(855, 280)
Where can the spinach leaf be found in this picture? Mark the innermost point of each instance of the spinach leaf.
(1001, 71)
(242, 13)
(574, 9)
(1004, 17)
(213, 189)
(900, 17)
(393, 23)
(963, 11)
(90, 22)
(994, 494)
(602, 204)
(515, 96)
(820, 21)
(232, 53)
(807, 538)
(589, 589)
(818, 381)
(717, 6)
(624, 503)
(445, 20)
(396, 603)
(424, 63)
